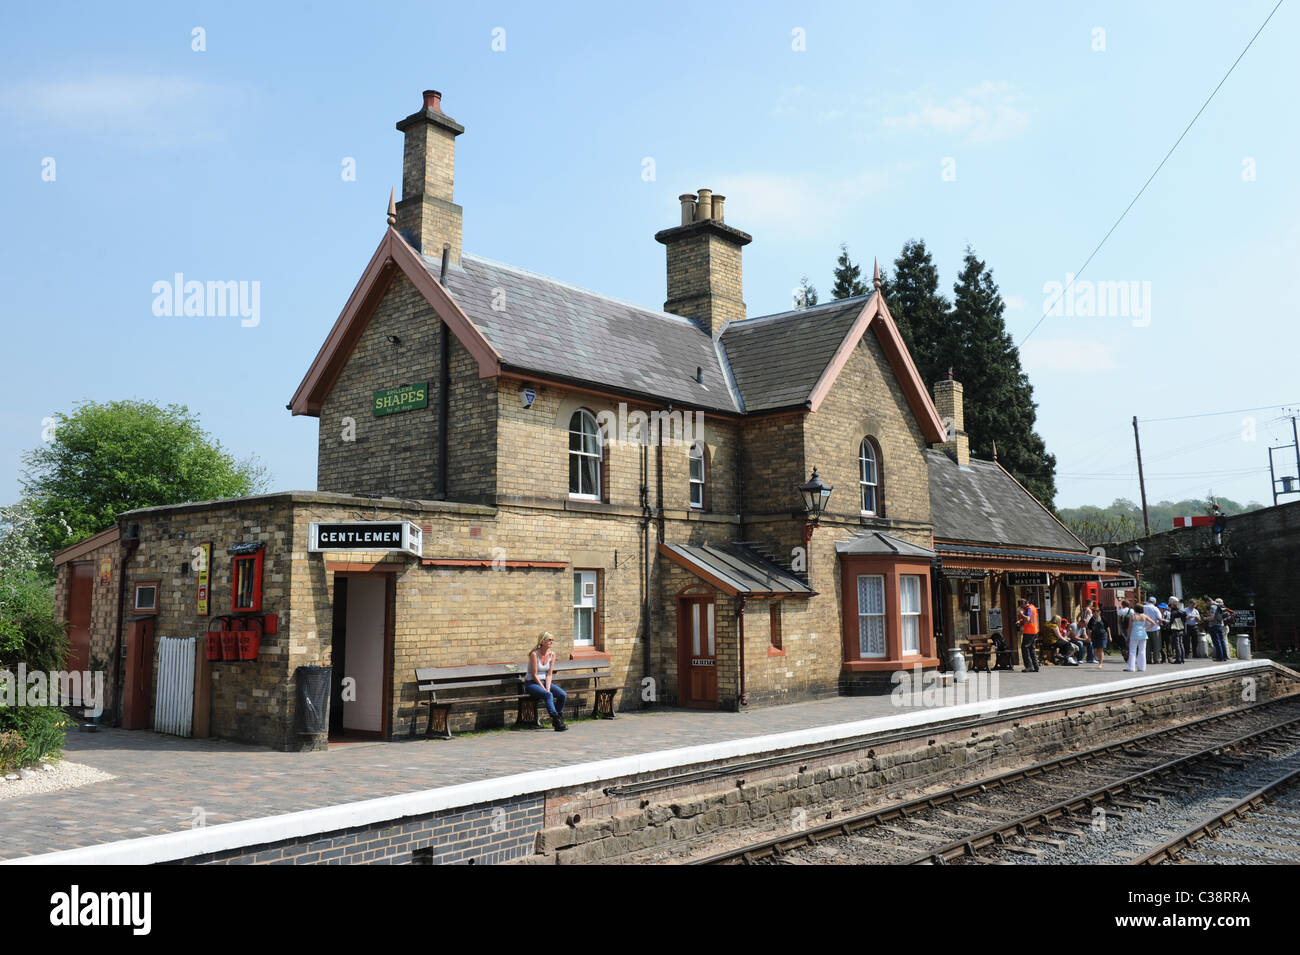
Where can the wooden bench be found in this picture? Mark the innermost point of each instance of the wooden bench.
(981, 648)
(504, 682)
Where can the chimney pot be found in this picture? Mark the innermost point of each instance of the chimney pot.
(704, 208)
(688, 207)
(717, 206)
(433, 100)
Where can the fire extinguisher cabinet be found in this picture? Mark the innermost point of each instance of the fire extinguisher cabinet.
(314, 700)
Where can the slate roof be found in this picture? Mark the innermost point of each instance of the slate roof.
(969, 550)
(876, 542)
(777, 360)
(744, 570)
(563, 331)
(984, 505)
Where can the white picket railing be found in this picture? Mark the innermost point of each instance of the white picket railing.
(174, 703)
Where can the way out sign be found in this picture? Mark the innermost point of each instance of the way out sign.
(366, 535)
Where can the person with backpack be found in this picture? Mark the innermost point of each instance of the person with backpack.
(1100, 634)
(1177, 626)
(1218, 619)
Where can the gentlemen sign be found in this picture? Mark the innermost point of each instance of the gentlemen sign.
(1119, 583)
(1026, 578)
(367, 535)
(405, 398)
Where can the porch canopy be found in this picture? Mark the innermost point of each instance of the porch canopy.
(736, 570)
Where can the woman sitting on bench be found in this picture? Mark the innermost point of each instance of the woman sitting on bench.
(540, 673)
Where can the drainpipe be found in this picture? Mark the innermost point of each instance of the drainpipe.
(647, 654)
(659, 473)
(444, 400)
(741, 700)
(128, 544)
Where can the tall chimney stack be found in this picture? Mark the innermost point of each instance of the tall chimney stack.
(948, 402)
(704, 275)
(426, 216)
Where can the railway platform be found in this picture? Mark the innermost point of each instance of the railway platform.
(513, 794)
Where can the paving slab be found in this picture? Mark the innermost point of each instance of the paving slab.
(163, 783)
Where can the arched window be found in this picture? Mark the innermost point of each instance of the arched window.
(584, 456)
(698, 475)
(869, 478)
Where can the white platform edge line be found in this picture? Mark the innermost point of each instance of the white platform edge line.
(171, 846)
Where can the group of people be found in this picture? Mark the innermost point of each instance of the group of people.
(1147, 633)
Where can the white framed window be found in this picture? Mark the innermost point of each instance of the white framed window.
(871, 615)
(584, 608)
(869, 478)
(146, 596)
(584, 456)
(909, 608)
(697, 475)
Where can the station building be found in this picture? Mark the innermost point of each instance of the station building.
(501, 453)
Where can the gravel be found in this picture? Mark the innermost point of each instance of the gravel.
(60, 775)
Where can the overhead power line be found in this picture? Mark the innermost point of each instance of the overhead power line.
(1047, 311)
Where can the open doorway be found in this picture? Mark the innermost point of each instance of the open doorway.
(362, 655)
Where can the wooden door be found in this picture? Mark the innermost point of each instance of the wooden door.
(139, 673)
(697, 651)
(79, 600)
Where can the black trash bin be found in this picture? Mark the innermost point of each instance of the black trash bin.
(314, 700)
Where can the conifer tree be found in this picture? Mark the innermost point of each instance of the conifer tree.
(848, 277)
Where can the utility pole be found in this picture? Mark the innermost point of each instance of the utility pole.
(1142, 486)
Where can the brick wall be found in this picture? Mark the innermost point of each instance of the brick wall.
(103, 611)
(486, 834)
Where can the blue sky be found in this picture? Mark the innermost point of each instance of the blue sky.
(226, 164)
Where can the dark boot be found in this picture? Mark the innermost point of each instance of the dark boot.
(557, 721)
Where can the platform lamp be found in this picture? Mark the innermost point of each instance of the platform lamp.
(1135, 553)
(815, 495)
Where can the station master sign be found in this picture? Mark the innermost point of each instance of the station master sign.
(367, 535)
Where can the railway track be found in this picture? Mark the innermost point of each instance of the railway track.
(1264, 827)
(1066, 796)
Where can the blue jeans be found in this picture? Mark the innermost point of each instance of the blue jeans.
(1220, 643)
(554, 700)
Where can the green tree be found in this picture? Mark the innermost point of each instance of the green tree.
(108, 458)
(999, 400)
(805, 295)
(922, 314)
(848, 277)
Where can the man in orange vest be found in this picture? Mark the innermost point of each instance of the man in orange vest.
(1028, 620)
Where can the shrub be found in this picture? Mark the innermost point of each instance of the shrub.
(29, 631)
(39, 731)
(12, 747)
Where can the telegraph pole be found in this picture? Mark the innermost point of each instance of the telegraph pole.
(1142, 486)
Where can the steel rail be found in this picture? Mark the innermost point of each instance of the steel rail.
(1209, 828)
(1039, 817)
(894, 811)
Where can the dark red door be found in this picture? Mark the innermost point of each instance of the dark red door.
(80, 594)
(139, 674)
(697, 651)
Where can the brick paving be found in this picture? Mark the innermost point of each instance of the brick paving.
(162, 779)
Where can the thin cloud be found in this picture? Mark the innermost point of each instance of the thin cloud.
(1068, 355)
(984, 114)
(133, 106)
(801, 207)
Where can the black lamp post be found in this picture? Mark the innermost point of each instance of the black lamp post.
(1134, 555)
(815, 495)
